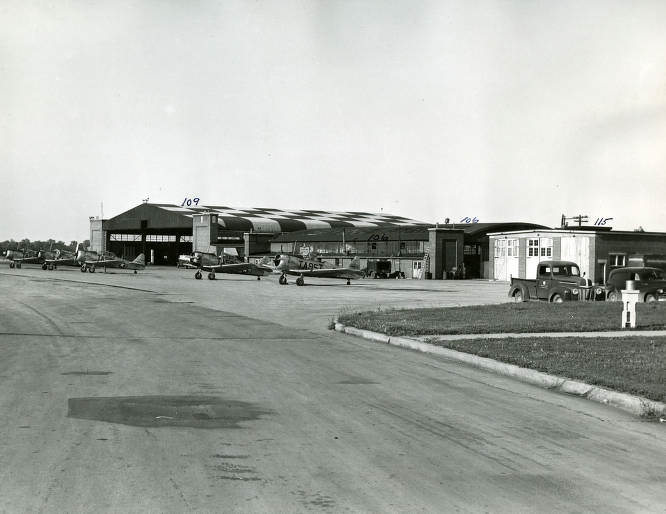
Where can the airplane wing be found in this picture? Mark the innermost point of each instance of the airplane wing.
(327, 273)
(241, 268)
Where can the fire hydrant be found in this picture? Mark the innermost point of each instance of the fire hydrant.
(629, 300)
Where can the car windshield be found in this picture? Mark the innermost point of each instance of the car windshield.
(652, 275)
(566, 271)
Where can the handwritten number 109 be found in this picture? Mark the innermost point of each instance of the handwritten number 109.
(189, 201)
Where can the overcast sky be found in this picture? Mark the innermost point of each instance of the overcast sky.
(507, 111)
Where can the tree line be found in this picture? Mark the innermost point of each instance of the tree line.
(49, 244)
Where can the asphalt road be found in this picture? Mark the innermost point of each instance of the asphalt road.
(165, 394)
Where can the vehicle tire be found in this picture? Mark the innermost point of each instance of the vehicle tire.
(44, 266)
(615, 296)
(518, 296)
(556, 298)
(211, 276)
(300, 281)
(649, 298)
(198, 275)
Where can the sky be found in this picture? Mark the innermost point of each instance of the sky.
(499, 110)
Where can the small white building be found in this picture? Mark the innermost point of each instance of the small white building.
(596, 250)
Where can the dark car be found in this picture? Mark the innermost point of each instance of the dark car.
(649, 281)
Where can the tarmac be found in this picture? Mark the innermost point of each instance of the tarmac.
(157, 392)
(637, 405)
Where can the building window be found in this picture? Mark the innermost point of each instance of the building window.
(125, 237)
(160, 238)
(532, 247)
(617, 259)
(185, 239)
(500, 247)
(512, 247)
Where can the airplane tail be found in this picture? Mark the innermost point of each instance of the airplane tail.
(141, 259)
(355, 263)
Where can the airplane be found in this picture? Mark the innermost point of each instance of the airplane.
(109, 260)
(17, 258)
(314, 267)
(83, 255)
(61, 258)
(212, 263)
(185, 261)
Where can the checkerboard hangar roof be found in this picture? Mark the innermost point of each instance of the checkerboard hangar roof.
(264, 220)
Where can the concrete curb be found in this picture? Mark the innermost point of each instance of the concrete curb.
(636, 405)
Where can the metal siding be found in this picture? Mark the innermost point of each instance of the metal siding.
(522, 257)
(557, 248)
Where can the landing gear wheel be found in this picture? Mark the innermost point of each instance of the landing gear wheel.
(300, 281)
(44, 266)
(91, 269)
(282, 280)
(51, 267)
(11, 265)
(211, 276)
(556, 299)
(258, 278)
(135, 272)
(83, 268)
(348, 282)
(197, 275)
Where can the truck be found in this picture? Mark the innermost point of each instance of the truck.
(557, 282)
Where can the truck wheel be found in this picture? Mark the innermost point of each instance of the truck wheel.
(614, 296)
(518, 296)
(556, 298)
(649, 298)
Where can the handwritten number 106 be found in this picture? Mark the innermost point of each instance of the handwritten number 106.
(189, 201)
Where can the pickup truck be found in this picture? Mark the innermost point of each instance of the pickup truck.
(557, 281)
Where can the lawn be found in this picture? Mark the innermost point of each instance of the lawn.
(635, 365)
(507, 317)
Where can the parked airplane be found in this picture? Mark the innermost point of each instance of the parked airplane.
(185, 261)
(61, 258)
(109, 260)
(17, 258)
(308, 267)
(83, 256)
(214, 264)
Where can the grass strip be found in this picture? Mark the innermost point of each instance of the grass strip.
(633, 365)
(507, 317)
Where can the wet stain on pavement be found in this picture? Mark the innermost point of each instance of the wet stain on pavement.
(314, 499)
(356, 381)
(87, 372)
(166, 411)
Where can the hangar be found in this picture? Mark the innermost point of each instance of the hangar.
(164, 231)
(596, 250)
(385, 243)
